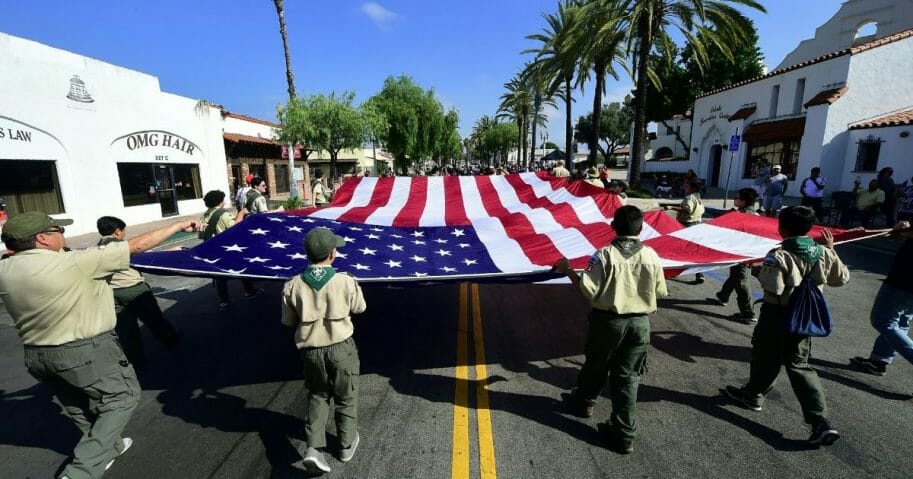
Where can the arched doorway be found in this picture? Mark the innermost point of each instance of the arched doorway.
(716, 164)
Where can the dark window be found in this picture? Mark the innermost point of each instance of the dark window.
(187, 182)
(867, 154)
(282, 181)
(764, 155)
(137, 183)
(669, 131)
(30, 186)
(663, 153)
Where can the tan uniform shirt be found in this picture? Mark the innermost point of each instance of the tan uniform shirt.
(227, 220)
(595, 182)
(560, 172)
(622, 285)
(320, 195)
(782, 272)
(692, 210)
(322, 317)
(126, 278)
(259, 205)
(55, 297)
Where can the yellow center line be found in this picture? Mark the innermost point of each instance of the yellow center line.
(460, 461)
(483, 414)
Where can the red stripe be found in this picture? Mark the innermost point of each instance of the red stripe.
(454, 211)
(677, 249)
(344, 193)
(415, 204)
(662, 222)
(379, 197)
(563, 213)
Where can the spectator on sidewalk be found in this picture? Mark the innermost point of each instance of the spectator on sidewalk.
(217, 219)
(134, 301)
(812, 191)
(774, 189)
(892, 311)
(319, 304)
(772, 348)
(739, 279)
(869, 203)
(559, 171)
(241, 194)
(622, 282)
(887, 185)
(63, 310)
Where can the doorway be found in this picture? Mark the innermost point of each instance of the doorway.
(164, 188)
(716, 164)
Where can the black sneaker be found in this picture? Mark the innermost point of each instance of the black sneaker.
(614, 439)
(253, 294)
(823, 434)
(699, 278)
(718, 300)
(878, 368)
(576, 406)
(747, 318)
(738, 395)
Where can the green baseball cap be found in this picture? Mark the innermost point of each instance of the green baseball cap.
(319, 242)
(29, 224)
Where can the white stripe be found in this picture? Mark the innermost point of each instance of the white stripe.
(727, 240)
(505, 253)
(360, 197)
(385, 215)
(433, 214)
(584, 206)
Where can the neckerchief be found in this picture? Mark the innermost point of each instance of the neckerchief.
(627, 245)
(804, 247)
(317, 276)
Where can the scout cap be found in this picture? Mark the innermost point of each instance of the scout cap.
(29, 224)
(622, 183)
(319, 242)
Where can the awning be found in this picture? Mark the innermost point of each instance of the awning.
(254, 140)
(743, 113)
(827, 97)
(773, 131)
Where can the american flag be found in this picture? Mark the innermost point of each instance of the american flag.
(460, 228)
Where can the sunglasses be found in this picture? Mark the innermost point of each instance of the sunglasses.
(55, 229)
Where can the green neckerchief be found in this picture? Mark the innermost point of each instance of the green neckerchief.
(627, 245)
(318, 276)
(804, 247)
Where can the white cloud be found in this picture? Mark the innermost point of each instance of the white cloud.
(381, 17)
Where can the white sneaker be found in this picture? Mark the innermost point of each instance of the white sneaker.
(345, 455)
(127, 443)
(314, 462)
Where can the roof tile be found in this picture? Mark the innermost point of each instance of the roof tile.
(899, 118)
(827, 97)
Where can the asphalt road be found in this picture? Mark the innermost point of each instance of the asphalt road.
(439, 400)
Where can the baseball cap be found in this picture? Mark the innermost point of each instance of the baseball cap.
(776, 167)
(319, 242)
(29, 224)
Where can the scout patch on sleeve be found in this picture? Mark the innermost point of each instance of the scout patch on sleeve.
(771, 260)
(594, 260)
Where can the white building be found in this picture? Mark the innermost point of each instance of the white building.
(842, 101)
(81, 138)
(670, 146)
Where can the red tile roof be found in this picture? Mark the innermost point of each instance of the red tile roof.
(251, 119)
(771, 131)
(899, 118)
(830, 56)
(827, 97)
(743, 113)
(236, 138)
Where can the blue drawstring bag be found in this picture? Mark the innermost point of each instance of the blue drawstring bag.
(807, 313)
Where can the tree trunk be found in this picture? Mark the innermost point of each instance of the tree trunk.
(289, 74)
(678, 138)
(568, 128)
(599, 72)
(640, 105)
(537, 104)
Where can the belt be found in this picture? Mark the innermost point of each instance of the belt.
(614, 315)
(79, 342)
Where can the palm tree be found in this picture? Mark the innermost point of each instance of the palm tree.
(516, 105)
(701, 22)
(555, 56)
(599, 42)
(540, 85)
(283, 30)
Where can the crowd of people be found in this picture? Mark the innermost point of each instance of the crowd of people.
(80, 328)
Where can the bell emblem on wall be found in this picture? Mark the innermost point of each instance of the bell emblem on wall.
(78, 91)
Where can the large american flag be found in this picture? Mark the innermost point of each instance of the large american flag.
(463, 228)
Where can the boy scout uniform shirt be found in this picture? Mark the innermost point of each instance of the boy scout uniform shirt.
(782, 272)
(56, 297)
(622, 285)
(126, 278)
(692, 210)
(227, 220)
(322, 316)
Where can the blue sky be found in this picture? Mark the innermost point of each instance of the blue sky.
(230, 52)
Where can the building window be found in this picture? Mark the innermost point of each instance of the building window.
(30, 186)
(867, 154)
(663, 152)
(761, 156)
(138, 183)
(800, 93)
(774, 99)
(282, 181)
(669, 131)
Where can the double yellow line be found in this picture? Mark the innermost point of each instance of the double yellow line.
(461, 459)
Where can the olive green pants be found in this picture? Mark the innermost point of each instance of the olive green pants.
(739, 280)
(616, 346)
(97, 387)
(773, 348)
(331, 372)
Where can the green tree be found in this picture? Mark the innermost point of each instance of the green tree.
(539, 81)
(500, 138)
(613, 130)
(516, 105)
(702, 23)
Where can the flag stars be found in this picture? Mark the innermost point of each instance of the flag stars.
(377, 230)
(257, 259)
(420, 275)
(448, 269)
(418, 234)
(360, 266)
(463, 245)
(348, 240)
(235, 247)
(277, 267)
(458, 233)
(395, 247)
(341, 255)
(368, 251)
(258, 231)
(440, 241)
(417, 242)
(278, 244)
(372, 236)
(394, 235)
(297, 256)
(273, 218)
(296, 229)
(355, 228)
(468, 261)
(417, 259)
(394, 264)
(443, 252)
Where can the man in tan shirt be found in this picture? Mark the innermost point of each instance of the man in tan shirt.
(559, 171)
(63, 310)
(622, 281)
(319, 304)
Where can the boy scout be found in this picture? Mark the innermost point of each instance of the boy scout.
(64, 311)
(215, 220)
(690, 211)
(133, 301)
(319, 304)
(772, 347)
(739, 279)
(622, 281)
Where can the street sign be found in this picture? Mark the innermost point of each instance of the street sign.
(285, 152)
(734, 143)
